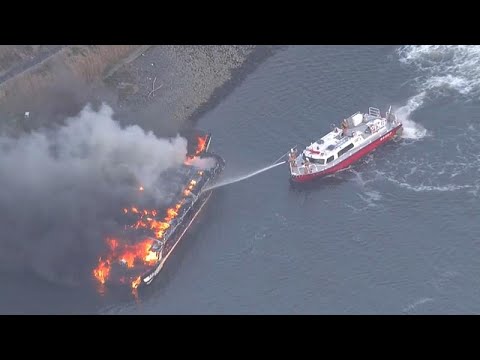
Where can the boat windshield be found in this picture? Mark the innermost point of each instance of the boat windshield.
(316, 161)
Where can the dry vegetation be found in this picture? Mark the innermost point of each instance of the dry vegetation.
(35, 67)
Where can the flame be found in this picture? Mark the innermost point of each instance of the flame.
(128, 254)
(141, 253)
(102, 271)
(113, 243)
(140, 188)
(189, 188)
(152, 256)
(201, 146)
(136, 282)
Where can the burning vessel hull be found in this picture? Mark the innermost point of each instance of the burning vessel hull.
(165, 247)
(151, 236)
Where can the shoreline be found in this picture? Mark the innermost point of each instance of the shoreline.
(251, 63)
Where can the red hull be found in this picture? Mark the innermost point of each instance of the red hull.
(348, 161)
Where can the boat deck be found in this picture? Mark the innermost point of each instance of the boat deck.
(364, 140)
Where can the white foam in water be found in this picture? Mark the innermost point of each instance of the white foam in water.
(444, 69)
(417, 303)
(411, 130)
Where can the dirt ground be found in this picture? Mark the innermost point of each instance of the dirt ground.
(161, 87)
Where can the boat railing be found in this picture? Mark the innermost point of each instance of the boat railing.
(374, 111)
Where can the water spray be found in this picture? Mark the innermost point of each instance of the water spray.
(243, 177)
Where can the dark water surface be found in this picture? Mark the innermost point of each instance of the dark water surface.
(397, 233)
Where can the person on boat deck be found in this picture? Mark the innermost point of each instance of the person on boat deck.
(344, 127)
(293, 156)
(292, 161)
(307, 166)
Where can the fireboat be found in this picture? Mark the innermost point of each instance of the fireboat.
(359, 134)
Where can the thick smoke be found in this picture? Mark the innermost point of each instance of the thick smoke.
(62, 190)
(204, 163)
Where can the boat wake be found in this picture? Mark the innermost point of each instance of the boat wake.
(448, 163)
(444, 70)
(411, 129)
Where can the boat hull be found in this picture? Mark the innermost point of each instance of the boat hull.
(121, 275)
(176, 237)
(349, 160)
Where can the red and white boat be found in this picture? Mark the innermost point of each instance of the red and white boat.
(358, 135)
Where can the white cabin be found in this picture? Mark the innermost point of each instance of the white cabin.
(359, 127)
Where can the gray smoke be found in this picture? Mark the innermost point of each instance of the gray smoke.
(62, 190)
(204, 163)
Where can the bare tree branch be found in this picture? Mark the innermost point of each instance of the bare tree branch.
(152, 93)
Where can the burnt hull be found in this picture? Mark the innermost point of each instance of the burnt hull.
(349, 160)
(172, 239)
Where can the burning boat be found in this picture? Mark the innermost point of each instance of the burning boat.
(153, 234)
(359, 135)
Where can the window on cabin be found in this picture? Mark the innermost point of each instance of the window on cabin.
(345, 149)
(316, 161)
(330, 159)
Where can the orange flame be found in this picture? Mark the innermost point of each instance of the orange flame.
(189, 188)
(128, 254)
(113, 243)
(201, 146)
(136, 282)
(102, 271)
(140, 253)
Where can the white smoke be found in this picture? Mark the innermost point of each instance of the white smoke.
(61, 189)
(204, 163)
